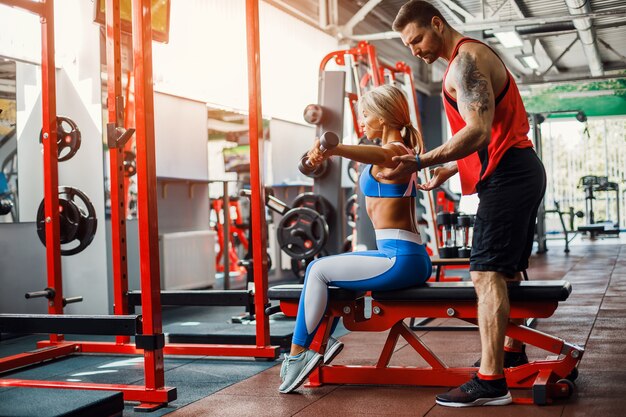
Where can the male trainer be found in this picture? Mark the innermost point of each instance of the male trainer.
(490, 150)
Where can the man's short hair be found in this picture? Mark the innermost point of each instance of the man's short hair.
(419, 12)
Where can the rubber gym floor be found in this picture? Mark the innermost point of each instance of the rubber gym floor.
(594, 316)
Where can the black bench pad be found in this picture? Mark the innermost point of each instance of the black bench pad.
(518, 291)
(432, 291)
(292, 292)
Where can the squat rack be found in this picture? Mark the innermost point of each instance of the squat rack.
(147, 329)
(116, 138)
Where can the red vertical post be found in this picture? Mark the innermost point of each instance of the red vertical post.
(50, 162)
(374, 67)
(116, 159)
(257, 200)
(146, 189)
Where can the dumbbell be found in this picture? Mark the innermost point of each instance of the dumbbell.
(313, 114)
(328, 140)
(446, 222)
(464, 224)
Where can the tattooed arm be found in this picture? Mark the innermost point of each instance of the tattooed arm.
(469, 78)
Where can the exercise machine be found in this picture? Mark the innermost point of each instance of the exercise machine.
(592, 184)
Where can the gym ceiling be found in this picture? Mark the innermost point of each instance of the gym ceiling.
(570, 40)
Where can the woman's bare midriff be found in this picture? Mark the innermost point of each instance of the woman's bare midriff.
(391, 213)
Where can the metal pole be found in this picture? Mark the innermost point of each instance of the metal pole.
(257, 200)
(226, 235)
(116, 159)
(607, 197)
(50, 163)
(541, 213)
(146, 190)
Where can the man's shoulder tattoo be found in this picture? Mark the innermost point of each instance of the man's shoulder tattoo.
(473, 91)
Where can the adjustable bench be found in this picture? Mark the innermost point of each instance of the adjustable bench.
(546, 379)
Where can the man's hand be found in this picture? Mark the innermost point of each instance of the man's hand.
(439, 176)
(407, 165)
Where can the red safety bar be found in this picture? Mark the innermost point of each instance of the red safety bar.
(544, 378)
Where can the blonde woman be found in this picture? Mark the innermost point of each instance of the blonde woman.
(400, 260)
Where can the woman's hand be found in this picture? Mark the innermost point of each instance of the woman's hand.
(439, 175)
(315, 155)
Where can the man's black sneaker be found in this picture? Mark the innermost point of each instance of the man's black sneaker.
(511, 359)
(477, 392)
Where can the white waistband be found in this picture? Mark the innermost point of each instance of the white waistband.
(398, 234)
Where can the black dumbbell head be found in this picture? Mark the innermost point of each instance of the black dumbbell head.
(444, 219)
(329, 140)
(464, 220)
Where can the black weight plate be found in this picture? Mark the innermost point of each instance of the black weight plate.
(76, 223)
(302, 233)
(315, 202)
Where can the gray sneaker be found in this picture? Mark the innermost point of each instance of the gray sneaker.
(333, 347)
(294, 372)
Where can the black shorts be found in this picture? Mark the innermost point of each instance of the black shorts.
(505, 220)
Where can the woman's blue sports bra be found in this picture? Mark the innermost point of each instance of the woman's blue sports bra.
(372, 188)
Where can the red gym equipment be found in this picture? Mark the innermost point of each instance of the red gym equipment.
(546, 379)
(147, 328)
(236, 228)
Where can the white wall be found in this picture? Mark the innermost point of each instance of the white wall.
(181, 133)
(21, 35)
(289, 142)
(206, 57)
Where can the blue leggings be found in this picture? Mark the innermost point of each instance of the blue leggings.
(401, 261)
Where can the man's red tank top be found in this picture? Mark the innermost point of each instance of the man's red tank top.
(509, 129)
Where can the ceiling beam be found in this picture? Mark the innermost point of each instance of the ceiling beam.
(543, 58)
(491, 24)
(454, 8)
(558, 58)
(587, 35)
(497, 23)
(322, 11)
(610, 48)
(348, 28)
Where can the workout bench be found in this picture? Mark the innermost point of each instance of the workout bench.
(545, 378)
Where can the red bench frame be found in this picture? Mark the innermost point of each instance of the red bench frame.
(545, 378)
